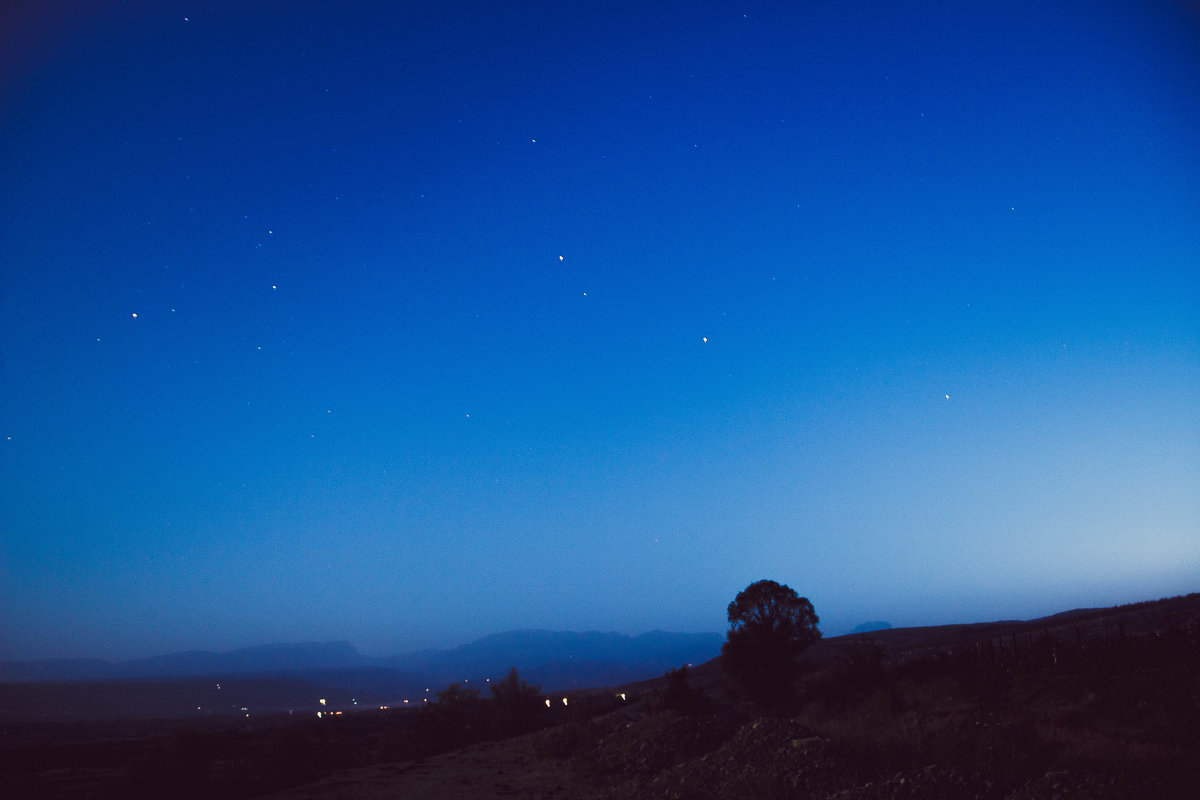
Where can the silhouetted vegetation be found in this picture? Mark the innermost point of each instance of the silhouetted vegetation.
(678, 694)
(769, 627)
(1085, 705)
(460, 716)
(516, 705)
(1020, 705)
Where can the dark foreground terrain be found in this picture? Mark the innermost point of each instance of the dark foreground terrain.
(1088, 704)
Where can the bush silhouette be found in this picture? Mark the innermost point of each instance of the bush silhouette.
(679, 694)
(458, 718)
(769, 627)
(517, 706)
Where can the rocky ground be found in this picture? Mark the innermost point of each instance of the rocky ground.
(675, 757)
(506, 769)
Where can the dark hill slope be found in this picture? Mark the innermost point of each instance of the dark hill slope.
(1079, 626)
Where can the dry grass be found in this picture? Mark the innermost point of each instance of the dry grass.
(1120, 712)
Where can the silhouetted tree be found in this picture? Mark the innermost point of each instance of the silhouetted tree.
(679, 695)
(516, 705)
(769, 627)
(456, 696)
(458, 718)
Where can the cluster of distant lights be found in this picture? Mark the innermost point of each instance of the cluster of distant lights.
(328, 713)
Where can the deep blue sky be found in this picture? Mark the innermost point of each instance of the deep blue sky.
(405, 323)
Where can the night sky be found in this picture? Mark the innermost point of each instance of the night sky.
(410, 322)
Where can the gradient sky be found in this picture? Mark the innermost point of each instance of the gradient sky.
(409, 322)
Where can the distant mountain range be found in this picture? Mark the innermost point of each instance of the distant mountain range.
(298, 677)
(273, 658)
(564, 659)
(533, 651)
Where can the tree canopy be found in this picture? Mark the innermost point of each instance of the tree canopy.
(516, 703)
(769, 627)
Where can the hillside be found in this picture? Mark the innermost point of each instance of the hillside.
(1093, 703)
(1108, 714)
